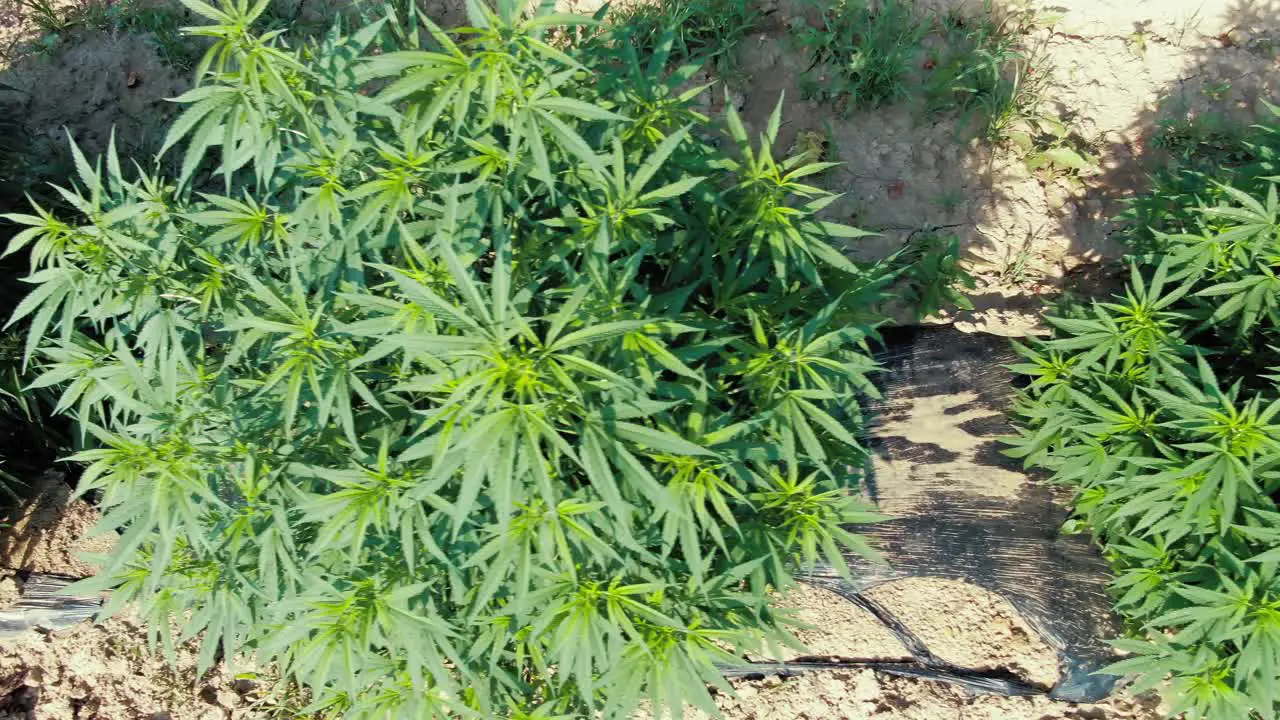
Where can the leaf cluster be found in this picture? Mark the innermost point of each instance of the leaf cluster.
(982, 67)
(1206, 153)
(973, 63)
(460, 374)
(1162, 409)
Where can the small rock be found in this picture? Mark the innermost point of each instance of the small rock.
(1056, 196)
(10, 591)
(865, 686)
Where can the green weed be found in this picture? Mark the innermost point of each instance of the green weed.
(813, 145)
(1187, 25)
(1202, 141)
(49, 19)
(978, 67)
(1204, 151)
(1216, 91)
(861, 53)
(948, 202)
(938, 277)
(161, 22)
(461, 374)
(983, 70)
(704, 30)
(1016, 270)
(1137, 40)
(1051, 147)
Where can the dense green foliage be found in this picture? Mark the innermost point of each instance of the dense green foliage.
(703, 30)
(973, 63)
(861, 52)
(460, 372)
(1162, 409)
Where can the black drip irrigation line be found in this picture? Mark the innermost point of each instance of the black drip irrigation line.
(987, 682)
(924, 664)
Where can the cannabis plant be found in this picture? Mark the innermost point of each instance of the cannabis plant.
(458, 374)
(1162, 409)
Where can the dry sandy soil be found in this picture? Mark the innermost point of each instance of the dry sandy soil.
(964, 625)
(1026, 235)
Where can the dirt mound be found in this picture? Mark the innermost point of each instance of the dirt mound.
(51, 533)
(105, 672)
(866, 695)
(92, 86)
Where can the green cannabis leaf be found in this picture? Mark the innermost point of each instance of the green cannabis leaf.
(1162, 410)
(460, 374)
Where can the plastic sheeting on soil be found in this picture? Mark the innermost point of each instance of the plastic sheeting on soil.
(966, 512)
(44, 606)
(963, 512)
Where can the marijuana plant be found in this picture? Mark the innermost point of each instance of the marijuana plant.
(460, 374)
(1162, 409)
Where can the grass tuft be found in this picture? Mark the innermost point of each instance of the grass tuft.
(703, 30)
(860, 55)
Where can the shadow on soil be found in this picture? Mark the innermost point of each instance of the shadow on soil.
(1198, 123)
(1030, 233)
